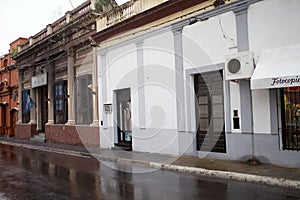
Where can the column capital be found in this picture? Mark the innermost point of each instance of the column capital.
(241, 10)
(103, 53)
(139, 43)
(177, 28)
(70, 52)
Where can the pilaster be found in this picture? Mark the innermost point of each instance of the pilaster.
(71, 95)
(141, 84)
(95, 89)
(51, 86)
(20, 88)
(180, 101)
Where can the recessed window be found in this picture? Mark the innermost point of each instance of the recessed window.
(60, 105)
(83, 100)
(5, 63)
(25, 109)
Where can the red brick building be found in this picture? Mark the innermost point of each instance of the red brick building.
(9, 90)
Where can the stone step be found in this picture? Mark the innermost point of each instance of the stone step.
(38, 138)
(122, 146)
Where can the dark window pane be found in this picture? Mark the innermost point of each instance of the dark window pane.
(60, 110)
(25, 111)
(83, 100)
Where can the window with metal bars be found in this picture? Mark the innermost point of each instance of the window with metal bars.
(290, 111)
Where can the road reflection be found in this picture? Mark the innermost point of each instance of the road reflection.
(30, 174)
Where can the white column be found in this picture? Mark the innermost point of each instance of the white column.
(71, 95)
(33, 108)
(50, 94)
(95, 89)
(38, 110)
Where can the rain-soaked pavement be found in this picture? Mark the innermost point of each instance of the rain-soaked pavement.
(30, 174)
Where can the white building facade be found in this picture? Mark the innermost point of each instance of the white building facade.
(195, 82)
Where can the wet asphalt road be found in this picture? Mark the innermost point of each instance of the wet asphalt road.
(30, 174)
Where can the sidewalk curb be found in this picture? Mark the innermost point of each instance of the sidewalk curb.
(281, 182)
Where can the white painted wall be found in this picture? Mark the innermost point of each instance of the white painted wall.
(160, 89)
(204, 44)
(161, 134)
(261, 111)
(121, 66)
(120, 73)
(272, 23)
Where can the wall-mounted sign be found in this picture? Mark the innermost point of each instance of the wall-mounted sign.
(107, 108)
(275, 82)
(39, 80)
(286, 81)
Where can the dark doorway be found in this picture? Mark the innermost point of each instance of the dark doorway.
(210, 112)
(124, 119)
(3, 118)
(13, 121)
(44, 106)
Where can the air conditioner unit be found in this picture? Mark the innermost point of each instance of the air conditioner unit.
(239, 66)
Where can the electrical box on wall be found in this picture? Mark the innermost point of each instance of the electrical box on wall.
(239, 66)
(107, 108)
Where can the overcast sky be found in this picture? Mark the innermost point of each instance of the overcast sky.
(20, 18)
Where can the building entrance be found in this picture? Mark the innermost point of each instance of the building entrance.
(124, 119)
(210, 112)
(44, 107)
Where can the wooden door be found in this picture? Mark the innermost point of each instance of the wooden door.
(3, 119)
(13, 121)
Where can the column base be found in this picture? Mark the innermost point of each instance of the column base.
(95, 123)
(32, 122)
(50, 122)
(70, 122)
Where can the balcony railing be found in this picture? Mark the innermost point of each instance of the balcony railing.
(57, 25)
(125, 11)
(121, 13)
(106, 19)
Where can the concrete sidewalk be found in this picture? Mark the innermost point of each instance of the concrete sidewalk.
(236, 170)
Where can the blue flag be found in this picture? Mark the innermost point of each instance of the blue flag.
(28, 102)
